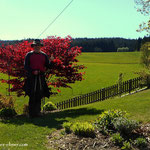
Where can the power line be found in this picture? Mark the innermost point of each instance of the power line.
(55, 18)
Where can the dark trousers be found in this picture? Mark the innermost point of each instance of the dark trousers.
(36, 88)
(34, 106)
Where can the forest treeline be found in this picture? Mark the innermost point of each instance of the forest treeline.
(109, 44)
(101, 44)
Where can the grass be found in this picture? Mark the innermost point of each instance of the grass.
(139, 101)
(103, 70)
(111, 58)
(34, 131)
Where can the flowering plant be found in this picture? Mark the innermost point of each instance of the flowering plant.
(65, 68)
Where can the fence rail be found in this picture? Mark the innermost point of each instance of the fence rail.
(102, 94)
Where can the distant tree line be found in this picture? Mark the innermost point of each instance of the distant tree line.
(109, 44)
(102, 44)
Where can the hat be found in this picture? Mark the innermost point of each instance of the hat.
(36, 42)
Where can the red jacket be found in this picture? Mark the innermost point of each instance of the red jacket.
(36, 61)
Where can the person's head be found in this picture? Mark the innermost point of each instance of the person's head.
(36, 45)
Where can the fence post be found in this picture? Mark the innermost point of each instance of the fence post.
(103, 93)
(57, 105)
(67, 104)
(60, 105)
(80, 100)
(130, 85)
(120, 83)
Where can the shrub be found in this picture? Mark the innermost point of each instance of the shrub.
(7, 112)
(49, 106)
(124, 125)
(65, 70)
(6, 102)
(26, 109)
(141, 142)
(145, 74)
(145, 61)
(67, 126)
(145, 55)
(126, 146)
(83, 129)
(117, 139)
(104, 121)
(7, 106)
(123, 49)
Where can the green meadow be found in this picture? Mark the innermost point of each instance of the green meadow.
(34, 132)
(102, 70)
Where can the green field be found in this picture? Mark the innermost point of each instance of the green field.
(102, 70)
(34, 131)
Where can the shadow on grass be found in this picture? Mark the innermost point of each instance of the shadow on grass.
(54, 119)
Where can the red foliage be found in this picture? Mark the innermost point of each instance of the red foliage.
(65, 68)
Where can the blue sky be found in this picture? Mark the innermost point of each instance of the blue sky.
(22, 19)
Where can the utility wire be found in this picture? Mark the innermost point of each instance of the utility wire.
(55, 19)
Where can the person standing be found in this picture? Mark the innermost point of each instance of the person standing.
(36, 63)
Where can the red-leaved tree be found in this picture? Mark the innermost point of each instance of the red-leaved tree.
(65, 69)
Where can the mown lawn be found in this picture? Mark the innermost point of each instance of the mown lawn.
(102, 70)
(33, 132)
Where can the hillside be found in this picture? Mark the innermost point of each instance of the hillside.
(102, 70)
(34, 132)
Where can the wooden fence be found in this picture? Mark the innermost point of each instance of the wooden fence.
(102, 94)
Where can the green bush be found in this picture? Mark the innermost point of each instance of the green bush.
(67, 126)
(25, 109)
(126, 146)
(123, 49)
(83, 129)
(117, 139)
(7, 112)
(104, 121)
(124, 125)
(49, 106)
(7, 106)
(141, 142)
(6, 102)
